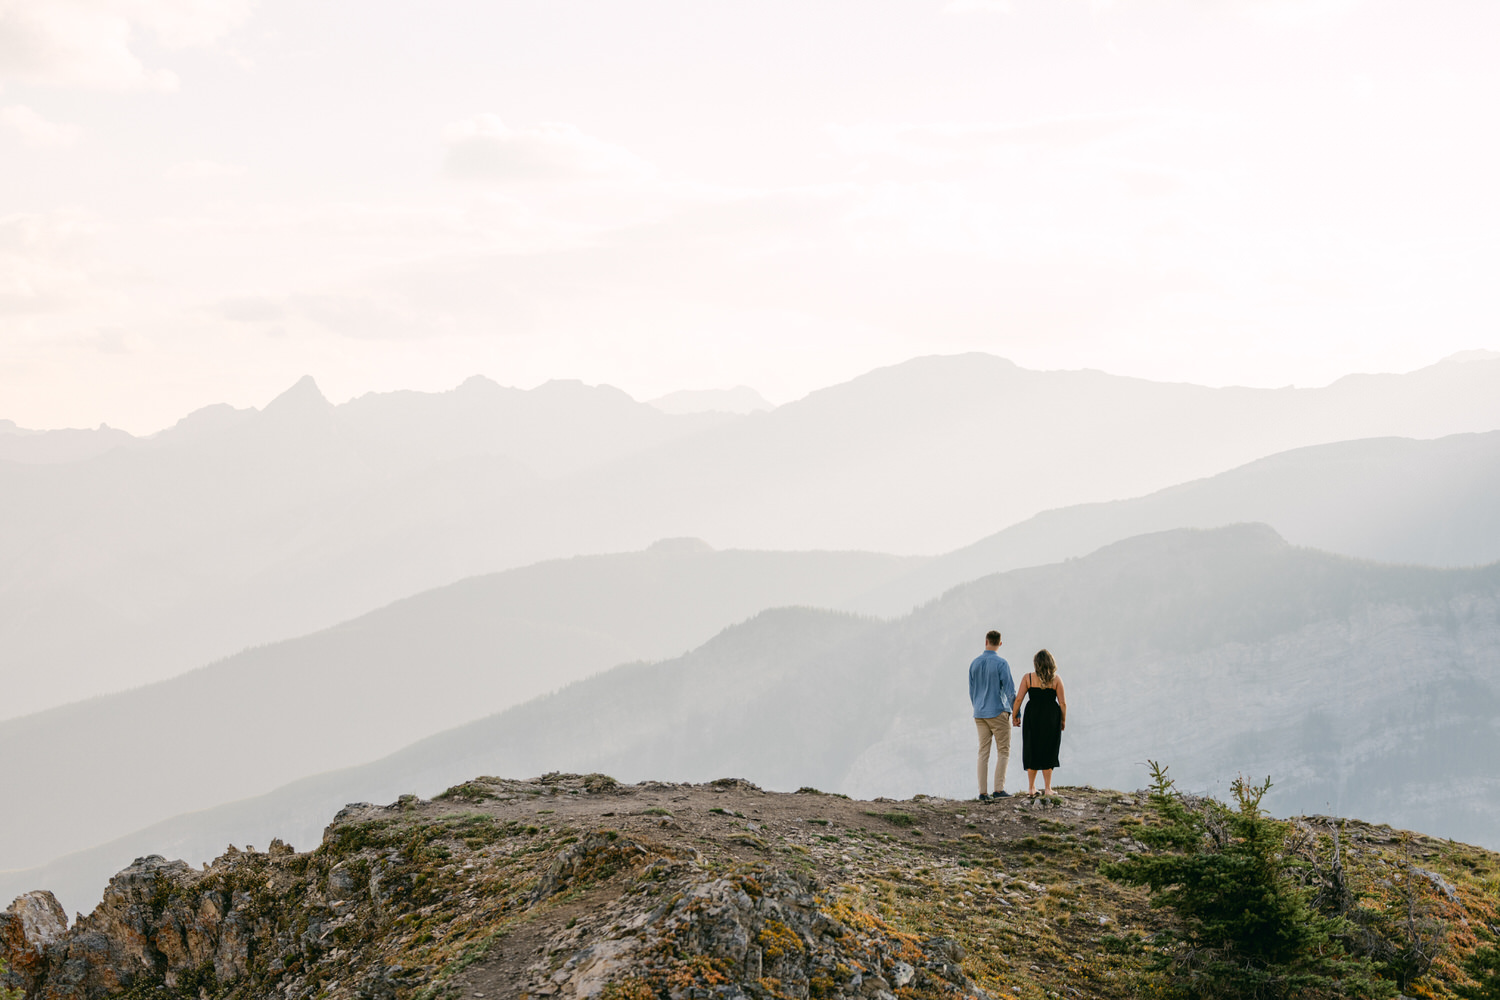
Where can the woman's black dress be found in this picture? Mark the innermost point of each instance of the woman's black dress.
(1041, 729)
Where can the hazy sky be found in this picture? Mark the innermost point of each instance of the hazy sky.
(201, 200)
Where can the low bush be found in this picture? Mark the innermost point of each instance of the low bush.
(1243, 924)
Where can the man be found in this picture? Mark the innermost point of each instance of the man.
(992, 691)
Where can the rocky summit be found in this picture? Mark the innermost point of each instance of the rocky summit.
(574, 886)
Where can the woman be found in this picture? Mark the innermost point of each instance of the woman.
(1046, 718)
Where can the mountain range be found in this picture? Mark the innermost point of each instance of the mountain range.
(346, 695)
(1396, 500)
(237, 528)
(240, 527)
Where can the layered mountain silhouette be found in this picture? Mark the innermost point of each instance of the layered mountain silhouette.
(1360, 688)
(369, 686)
(1431, 503)
(18, 444)
(240, 527)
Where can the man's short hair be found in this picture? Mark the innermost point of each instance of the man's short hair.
(992, 638)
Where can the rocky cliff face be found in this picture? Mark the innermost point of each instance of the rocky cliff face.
(574, 887)
(32, 922)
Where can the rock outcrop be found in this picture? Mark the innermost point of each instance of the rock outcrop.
(354, 917)
(576, 887)
(31, 923)
(761, 932)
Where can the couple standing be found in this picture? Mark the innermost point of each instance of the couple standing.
(997, 709)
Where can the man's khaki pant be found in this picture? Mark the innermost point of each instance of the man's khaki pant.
(997, 729)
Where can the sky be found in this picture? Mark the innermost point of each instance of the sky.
(203, 200)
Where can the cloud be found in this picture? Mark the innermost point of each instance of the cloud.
(382, 306)
(41, 256)
(181, 24)
(1283, 12)
(946, 143)
(202, 170)
(35, 131)
(89, 44)
(373, 313)
(971, 6)
(485, 148)
(1293, 12)
(252, 309)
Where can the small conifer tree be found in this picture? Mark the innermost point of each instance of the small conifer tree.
(1244, 928)
(1482, 966)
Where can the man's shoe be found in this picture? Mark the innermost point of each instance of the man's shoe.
(983, 797)
(1002, 794)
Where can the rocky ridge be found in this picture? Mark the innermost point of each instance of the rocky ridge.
(574, 886)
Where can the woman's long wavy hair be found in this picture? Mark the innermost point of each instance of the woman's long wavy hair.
(1046, 666)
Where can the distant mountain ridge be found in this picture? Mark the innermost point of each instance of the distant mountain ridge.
(236, 527)
(19, 444)
(374, 684)
(1394, 500)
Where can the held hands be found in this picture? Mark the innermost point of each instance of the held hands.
(1015, 720)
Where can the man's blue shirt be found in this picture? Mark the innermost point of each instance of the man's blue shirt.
(990, 687)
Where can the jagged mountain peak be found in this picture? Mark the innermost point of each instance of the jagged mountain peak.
(478, 384)
(303, 397)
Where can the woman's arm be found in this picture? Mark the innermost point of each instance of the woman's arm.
(1015, 705)
(1062, 703)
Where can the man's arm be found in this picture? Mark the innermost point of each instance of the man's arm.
(973, 682)
(1007, 685)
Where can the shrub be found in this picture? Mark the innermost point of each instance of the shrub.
(1244, 928)
(1388, 920)
(1482, 966)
